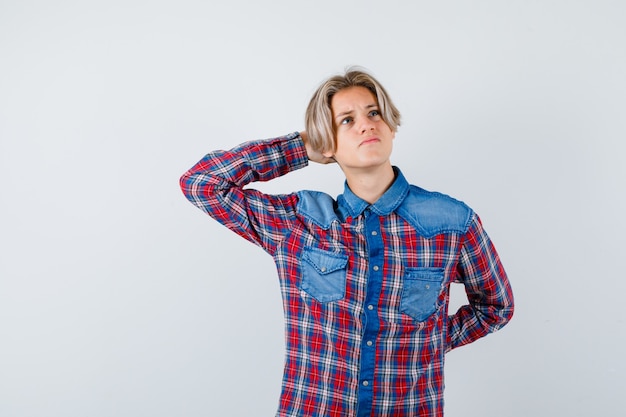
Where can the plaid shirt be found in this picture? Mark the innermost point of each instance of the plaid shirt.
(365, 287)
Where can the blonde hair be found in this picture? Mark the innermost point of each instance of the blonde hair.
(318, 119)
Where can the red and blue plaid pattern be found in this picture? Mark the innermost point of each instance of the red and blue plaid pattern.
(365, 288)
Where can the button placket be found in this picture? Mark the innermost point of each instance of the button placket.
(375, 256)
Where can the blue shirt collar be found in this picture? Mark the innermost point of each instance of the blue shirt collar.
(386, 204)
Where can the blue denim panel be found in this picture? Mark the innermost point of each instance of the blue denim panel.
(420, 292)
(318, 207)
(434, 213)
(324, 274)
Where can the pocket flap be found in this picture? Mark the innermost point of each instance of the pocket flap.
(323, 261)
(425, 274)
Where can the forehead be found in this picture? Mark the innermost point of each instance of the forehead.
(352, 97)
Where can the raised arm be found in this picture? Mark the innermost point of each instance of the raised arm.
(216, 185)
(487, 287)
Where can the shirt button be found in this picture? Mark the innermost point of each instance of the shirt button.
(374, 233)
(369, 343)
(370, 307)
(365, 383)
(323, 269)
(375, 267)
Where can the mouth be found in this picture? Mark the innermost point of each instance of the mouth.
(369, 141)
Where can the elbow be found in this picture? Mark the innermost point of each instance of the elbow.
(494, 317)
(501, 316)
(503, 309)
(507, 315)
(186, 185)
(182, 183)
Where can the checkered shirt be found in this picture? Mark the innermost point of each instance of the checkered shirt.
(365, 287)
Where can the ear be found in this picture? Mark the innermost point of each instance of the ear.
(328, 154)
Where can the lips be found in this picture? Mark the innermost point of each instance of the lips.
(368, 141)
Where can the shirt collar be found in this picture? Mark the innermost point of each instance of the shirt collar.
(386, 204)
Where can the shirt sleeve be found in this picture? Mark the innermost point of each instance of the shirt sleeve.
(486, 285)
(216, 185)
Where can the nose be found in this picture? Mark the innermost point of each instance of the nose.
(366, 125)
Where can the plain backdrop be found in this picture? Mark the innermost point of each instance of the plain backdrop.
(119, 298)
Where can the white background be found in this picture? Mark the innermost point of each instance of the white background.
(119, 298)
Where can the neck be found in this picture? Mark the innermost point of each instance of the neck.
(370, 185)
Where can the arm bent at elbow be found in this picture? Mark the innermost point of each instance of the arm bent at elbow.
(487, 287)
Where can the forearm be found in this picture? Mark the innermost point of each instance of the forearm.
(260, 160)
(216, 185)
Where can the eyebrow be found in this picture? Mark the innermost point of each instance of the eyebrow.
(346, 113)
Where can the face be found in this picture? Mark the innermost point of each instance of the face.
(364, 140)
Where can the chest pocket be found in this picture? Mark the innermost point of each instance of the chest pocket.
(420, 292)
(324, 274)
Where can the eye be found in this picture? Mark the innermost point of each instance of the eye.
(346, 120)
(374, 113)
